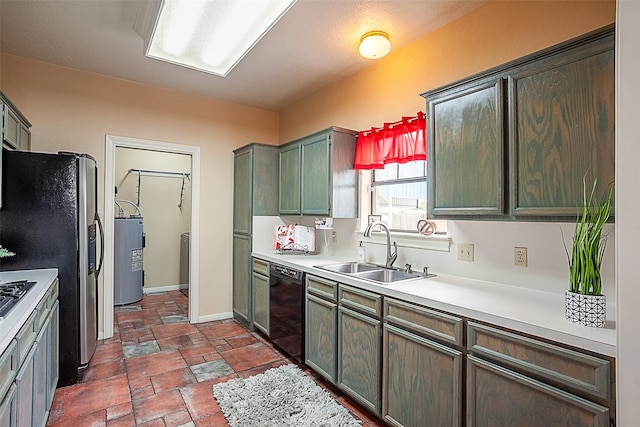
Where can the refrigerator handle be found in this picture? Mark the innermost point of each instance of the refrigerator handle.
(101, 245)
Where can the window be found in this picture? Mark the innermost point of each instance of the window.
(399, 196)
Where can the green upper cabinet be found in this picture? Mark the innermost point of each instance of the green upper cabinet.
(255, 171)
(242, 191)
(289, 183)
(316, 180)
(562, 113)
(317, 175)
(515, 142)
(15, 126)
(466, 143)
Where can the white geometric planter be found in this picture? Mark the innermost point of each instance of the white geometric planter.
(588, 310)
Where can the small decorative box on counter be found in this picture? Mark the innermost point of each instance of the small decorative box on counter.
(291, 237)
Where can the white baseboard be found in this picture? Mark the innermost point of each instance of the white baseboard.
(158, 289)
(213, 317)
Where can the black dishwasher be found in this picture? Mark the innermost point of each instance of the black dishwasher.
(286, 309)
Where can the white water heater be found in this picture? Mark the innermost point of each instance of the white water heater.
(128, 271)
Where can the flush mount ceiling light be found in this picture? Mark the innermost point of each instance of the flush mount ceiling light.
(374, 44)
(210, 36)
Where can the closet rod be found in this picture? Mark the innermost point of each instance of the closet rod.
(151, 171)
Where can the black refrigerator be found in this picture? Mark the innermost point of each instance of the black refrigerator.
(49, 218)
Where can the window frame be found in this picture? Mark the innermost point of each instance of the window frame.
(395, 181)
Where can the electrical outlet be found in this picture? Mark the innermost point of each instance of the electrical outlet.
(465, 251)
(334, 237)
(520, 256)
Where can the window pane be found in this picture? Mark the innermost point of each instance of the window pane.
(412, 169)
(400, 205)
(390, 171)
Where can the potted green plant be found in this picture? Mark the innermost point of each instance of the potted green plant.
(4, 252)
(584, 302)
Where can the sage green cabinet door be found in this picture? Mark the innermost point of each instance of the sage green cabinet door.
(25, 138)
(241, 278)
(242, 188)
(8, 408)
(261, 302)
(466, 143)
(289, 182)
(40, 366)
(500, 397)
(320, 336)
(422, 380)
(255, 181)
(25, 392)
(264, 195)
(562, 111)
(54, 354)
(11, 128)
(359, 346)
(316, 177)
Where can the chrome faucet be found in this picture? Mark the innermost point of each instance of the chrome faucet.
(391, 257)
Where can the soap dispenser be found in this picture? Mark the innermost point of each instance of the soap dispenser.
(362, 254)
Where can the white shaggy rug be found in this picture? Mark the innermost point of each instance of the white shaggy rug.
(282, 396)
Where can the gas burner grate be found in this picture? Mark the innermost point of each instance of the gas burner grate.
(10, 294)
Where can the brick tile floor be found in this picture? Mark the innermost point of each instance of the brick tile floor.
(159, 370)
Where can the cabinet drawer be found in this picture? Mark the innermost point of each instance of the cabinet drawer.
(260, 266)
(53, 294)
(8, 367)
(322, 287)
(424, 321)
(26, 336)
(44, 306)
(363, 301)
(42, 312)
(497, 396)
(560, 366)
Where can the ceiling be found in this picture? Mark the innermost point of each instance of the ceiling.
(314, 45)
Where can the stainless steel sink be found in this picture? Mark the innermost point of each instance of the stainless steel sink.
(387, 276)
(372, 272)
(349, 267)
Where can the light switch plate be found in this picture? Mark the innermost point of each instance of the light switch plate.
(465, 251)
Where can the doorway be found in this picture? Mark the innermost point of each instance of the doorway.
(113, 144)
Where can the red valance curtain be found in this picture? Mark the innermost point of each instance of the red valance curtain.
(399, 142)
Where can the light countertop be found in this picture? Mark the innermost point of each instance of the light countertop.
(11, 324)
(525, 310)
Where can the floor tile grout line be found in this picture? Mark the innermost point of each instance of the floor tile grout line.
(149, 319)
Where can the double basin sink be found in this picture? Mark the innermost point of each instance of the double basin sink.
(372, 272)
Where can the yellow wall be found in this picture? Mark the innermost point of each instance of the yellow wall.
(494, 33)
(74, 110)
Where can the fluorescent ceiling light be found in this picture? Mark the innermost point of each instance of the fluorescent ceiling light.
(212, 35)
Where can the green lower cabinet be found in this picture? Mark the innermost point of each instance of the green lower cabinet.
(242, 278)
(24, 397)
(320, 337)
(53, 357)
(8, 408)
(422, 380)
(39, 404)
(261, 302)
(497, 396)
(359, 347)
